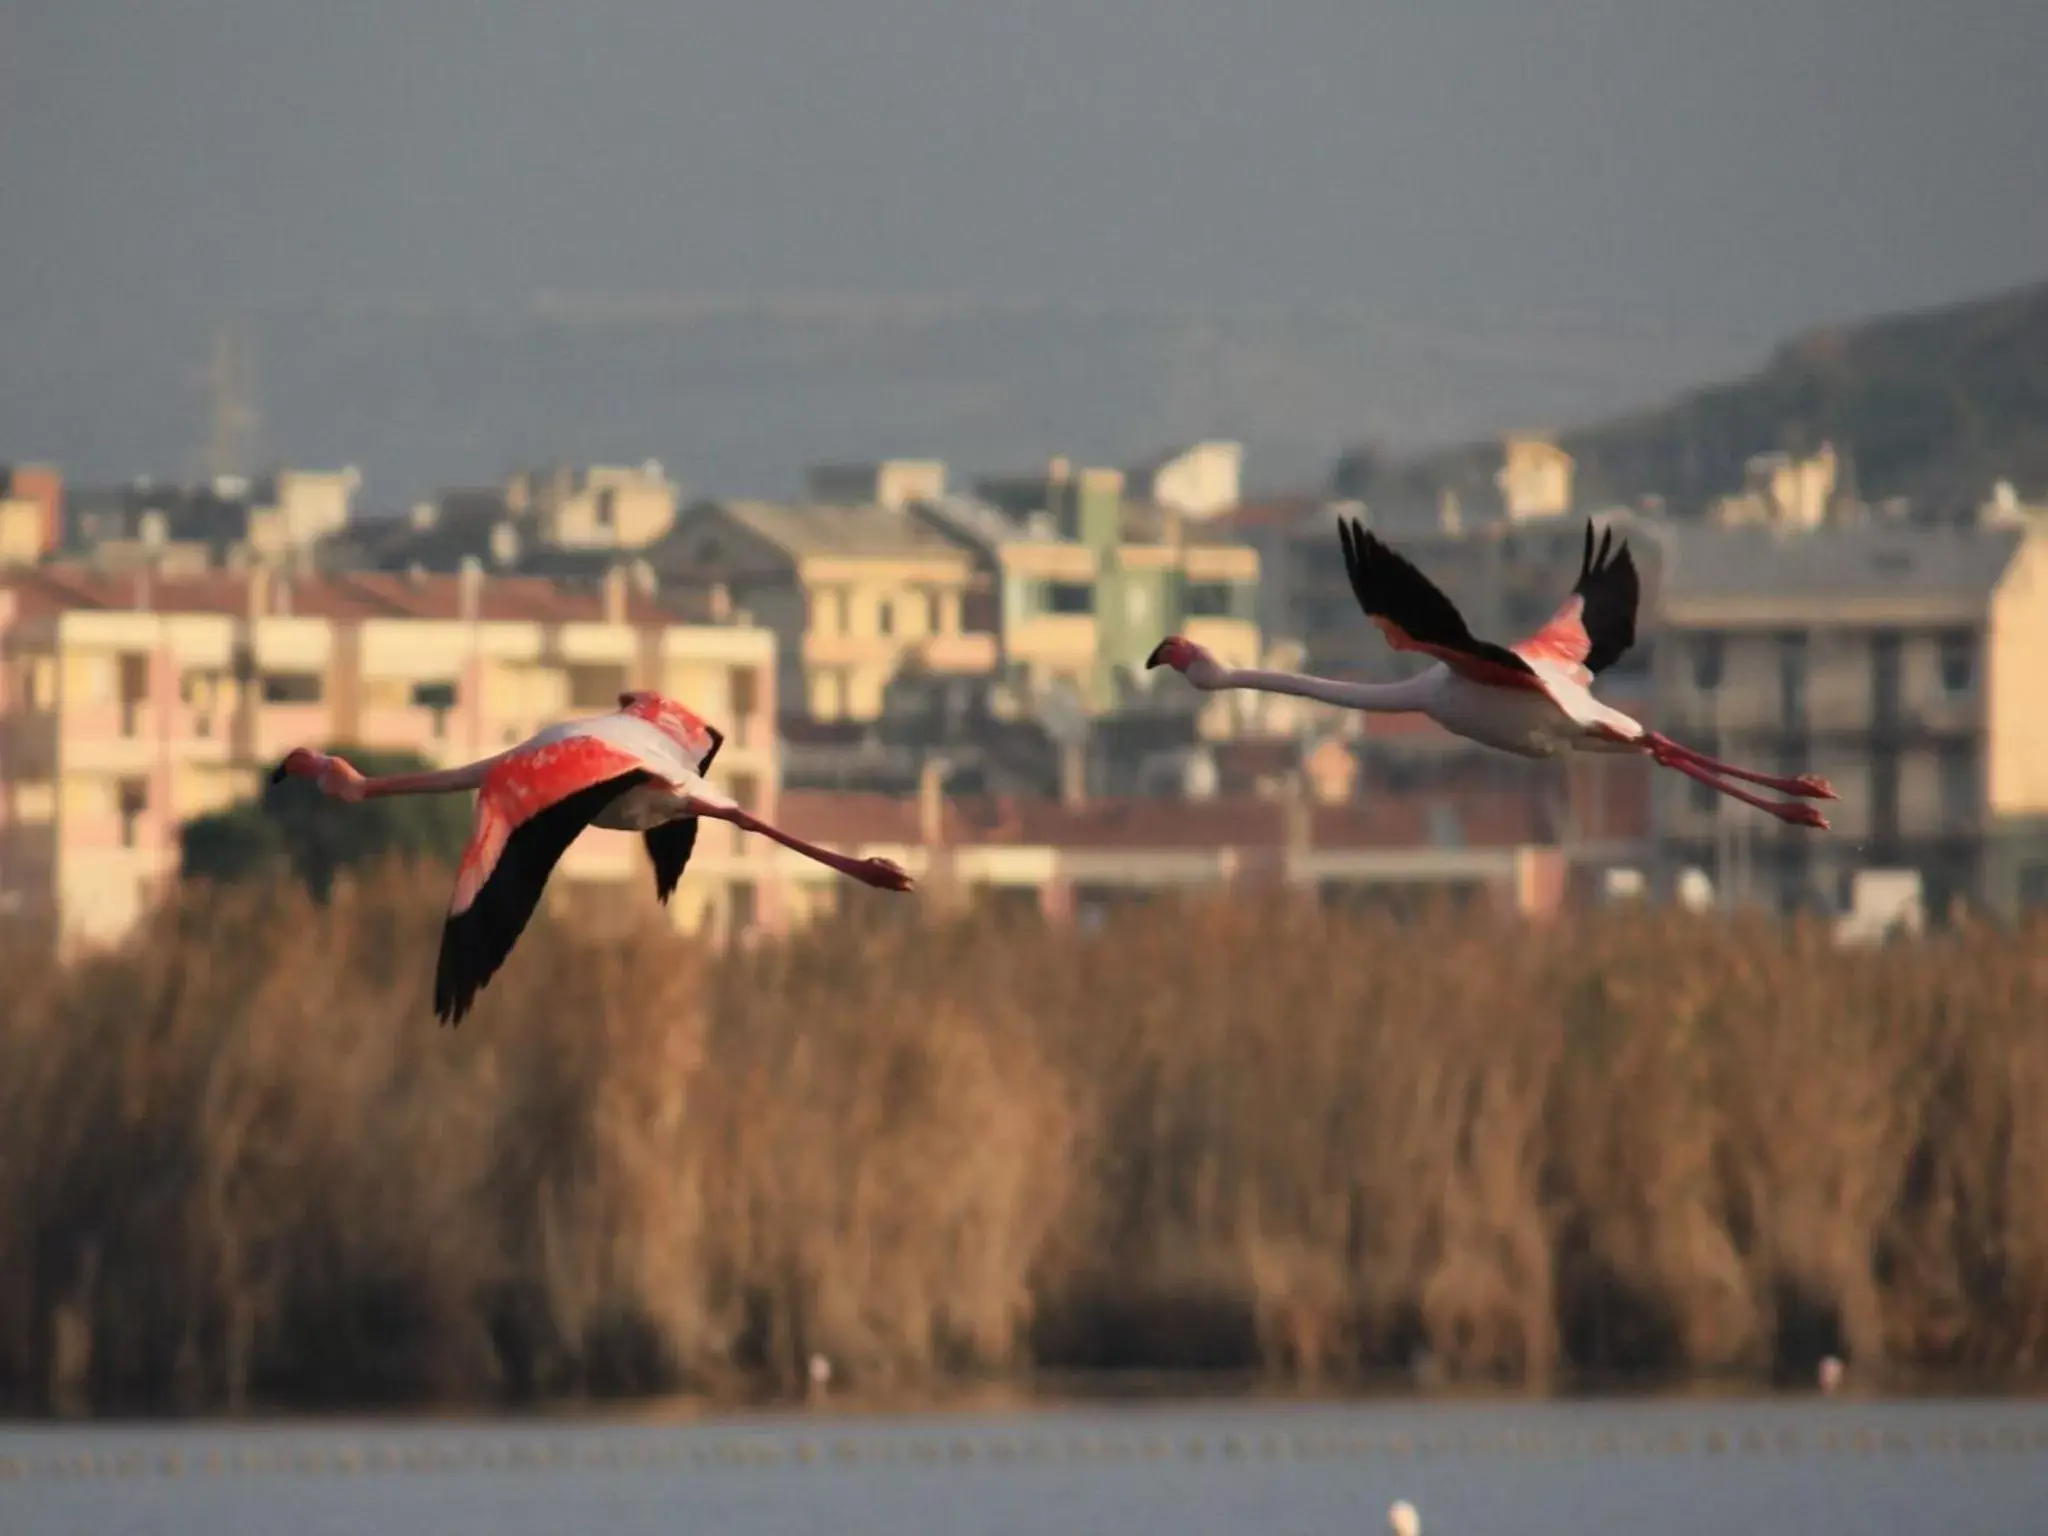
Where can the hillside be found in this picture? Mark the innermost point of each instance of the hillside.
(1933, 405)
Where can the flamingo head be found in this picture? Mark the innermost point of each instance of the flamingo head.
(1189, 659)
(1173, 652)
(682, 726)
(299, 763)
(333, 775)
(883, 875)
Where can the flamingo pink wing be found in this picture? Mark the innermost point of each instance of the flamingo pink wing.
(1562, 640)
(1477, 668)
(532, 806)
(523, 784)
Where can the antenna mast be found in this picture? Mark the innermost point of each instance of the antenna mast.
(230, 407)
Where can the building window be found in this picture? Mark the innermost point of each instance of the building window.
(1958, 772)
(832, 690)
(1884, 681)
(885, 617)
(742, 694)
(1706, 662)
(1956, 652)
(1884, 796)
(934, 612)
(1210, 600)
(1792, 681)
(134, 692)
(1703, 797)
(1069, 597)
(828, 611)
(291, 688)
(131, 798)
(439, 698)
(36, 676)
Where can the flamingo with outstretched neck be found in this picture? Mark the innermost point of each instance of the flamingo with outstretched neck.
(639, 769)
(1533, 698)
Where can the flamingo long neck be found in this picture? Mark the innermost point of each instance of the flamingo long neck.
(1403, 698)
(439, 781)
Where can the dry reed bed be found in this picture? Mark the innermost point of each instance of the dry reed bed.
(239, 1163)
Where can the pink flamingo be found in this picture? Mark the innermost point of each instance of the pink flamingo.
(1533, 698)
(639, 769)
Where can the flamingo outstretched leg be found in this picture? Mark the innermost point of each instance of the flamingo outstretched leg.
(1809, 785)
(882, 874)
(1666, 753)
(1791, 811)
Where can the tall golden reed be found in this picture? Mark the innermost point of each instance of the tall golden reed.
(239, 1163)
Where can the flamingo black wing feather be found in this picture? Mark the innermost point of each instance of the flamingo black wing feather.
(669, 846)
(476, 940)
(1611, 591)
(1409, 607)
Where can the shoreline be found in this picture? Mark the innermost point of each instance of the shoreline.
(1041, 1396)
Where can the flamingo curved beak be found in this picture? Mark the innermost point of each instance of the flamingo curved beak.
(300, 762)
(1171, 652)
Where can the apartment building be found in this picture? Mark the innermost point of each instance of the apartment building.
(1906, 663)
(854, 594)
(31, 512)
(271, 519)
(598, 506)
(130, 703)
(1090, 581)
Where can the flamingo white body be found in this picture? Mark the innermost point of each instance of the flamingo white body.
(1522, 721)
(640, 769)
(1533, 699)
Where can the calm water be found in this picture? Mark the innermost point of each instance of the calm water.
(1673, 1469)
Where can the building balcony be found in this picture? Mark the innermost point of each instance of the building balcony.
(1053, 639)
(972, 653)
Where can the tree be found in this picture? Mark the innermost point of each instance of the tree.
(291, 828)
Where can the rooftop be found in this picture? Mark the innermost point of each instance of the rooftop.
(351, 596)
(816, 529)
(1766, 564)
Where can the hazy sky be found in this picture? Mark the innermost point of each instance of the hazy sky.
(1714, 167)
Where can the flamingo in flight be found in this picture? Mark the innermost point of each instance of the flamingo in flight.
(1533, 698)
(639, 769)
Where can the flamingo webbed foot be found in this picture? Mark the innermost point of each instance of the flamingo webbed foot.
(1814, 785)
(882, 874)
(1804, 816)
